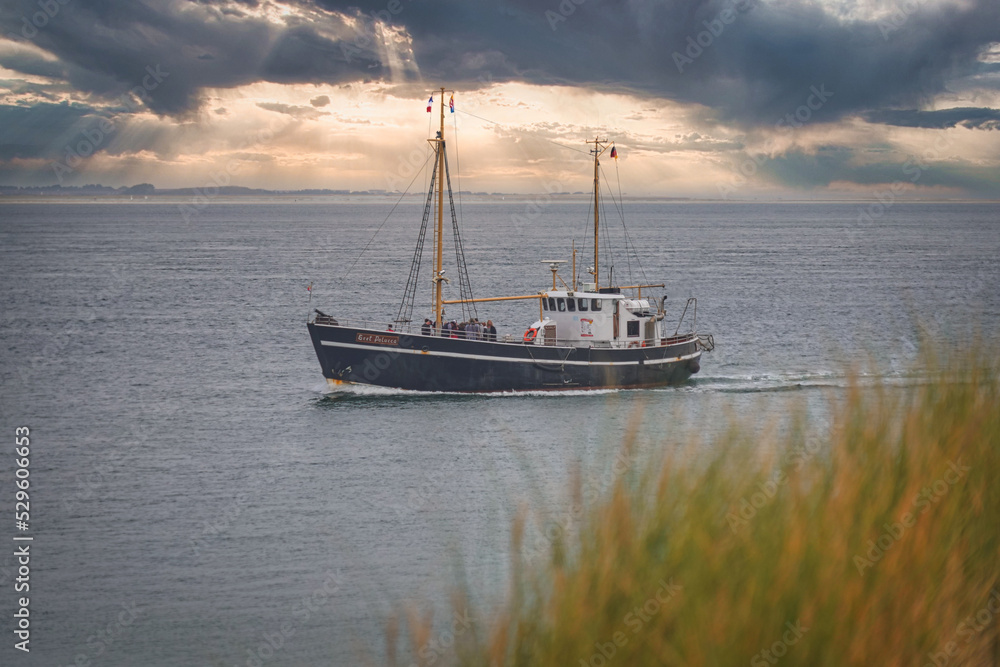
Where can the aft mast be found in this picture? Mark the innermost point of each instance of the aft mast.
(600, 145)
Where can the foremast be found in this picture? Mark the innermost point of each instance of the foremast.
(439, 279)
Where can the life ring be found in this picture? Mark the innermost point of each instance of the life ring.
(529, 335)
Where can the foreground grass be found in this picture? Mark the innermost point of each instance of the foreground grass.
(876, 544)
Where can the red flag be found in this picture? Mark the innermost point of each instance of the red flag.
(430, 103)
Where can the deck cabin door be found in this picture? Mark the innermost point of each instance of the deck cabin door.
(550, 334)
(615, 319)
(651, 332)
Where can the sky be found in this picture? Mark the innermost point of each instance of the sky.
(734, 99)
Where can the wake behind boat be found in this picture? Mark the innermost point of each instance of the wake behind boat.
(586, 336)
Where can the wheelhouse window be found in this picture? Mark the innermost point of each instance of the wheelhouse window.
(595, 304)
(545, 304)
(583, 304)
(633, 329)
(561, 303)
(571, 305)
(552, 303)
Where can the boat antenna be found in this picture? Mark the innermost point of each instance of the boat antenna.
(574, 265)
(554, 268)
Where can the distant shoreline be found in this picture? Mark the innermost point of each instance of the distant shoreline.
(467, 198)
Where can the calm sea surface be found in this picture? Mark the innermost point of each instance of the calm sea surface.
(198, 499)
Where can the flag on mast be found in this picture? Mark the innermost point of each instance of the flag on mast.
(430, 103)
(614, 152)
(451, 104)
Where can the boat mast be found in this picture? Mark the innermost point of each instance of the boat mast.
(599, 149)
(438, 234)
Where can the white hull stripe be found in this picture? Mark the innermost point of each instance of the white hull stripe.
(486, 357)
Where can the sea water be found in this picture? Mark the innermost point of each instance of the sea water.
(198, 494)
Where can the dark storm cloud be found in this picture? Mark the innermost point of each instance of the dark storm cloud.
(838, 164)
(19, 88)
(755, 62)
(109, 44)
(969, 117)
(29, 131)
(751, 62)
(30, 63)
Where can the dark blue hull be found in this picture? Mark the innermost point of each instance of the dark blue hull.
(432, 363)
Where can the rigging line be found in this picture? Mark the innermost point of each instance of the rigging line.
(629, 241)
(638, 261)
(628, 237)
(405, 313)
(620, 198)
(542, 138)
(585, 250)
(628, 259)
(391, 211)
(586, 230)
(607, 227)
(430, 151)
(458, 170)
(607, 247)
(465, 285)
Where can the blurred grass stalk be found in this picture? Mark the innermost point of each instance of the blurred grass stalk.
(875, 543)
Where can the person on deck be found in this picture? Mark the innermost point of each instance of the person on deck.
(425, 329)
(491, 331)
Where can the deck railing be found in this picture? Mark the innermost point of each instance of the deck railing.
(410, 329)
(374, 325)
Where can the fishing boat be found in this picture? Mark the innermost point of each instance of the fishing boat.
(586, 335)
